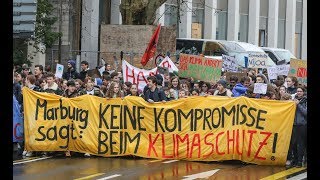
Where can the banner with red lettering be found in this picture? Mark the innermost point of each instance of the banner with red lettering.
(139, 76)
(200, 68)
(167, 63)
(212, 128)
(298, 68)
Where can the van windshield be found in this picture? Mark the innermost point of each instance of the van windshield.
(231, 46)
(285, 55)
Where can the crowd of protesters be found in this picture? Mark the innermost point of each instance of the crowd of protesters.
(170, 87)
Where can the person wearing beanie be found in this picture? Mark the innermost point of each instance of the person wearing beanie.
(71, 72)
(222, 89)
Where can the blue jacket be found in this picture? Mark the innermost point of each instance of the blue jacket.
(239, 90)
(301, 112)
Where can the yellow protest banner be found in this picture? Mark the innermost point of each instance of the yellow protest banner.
(196, 128)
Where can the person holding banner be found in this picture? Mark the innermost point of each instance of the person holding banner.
(70, 92)
(90, 88)
(51, 86)
(240, 88)
(133, 90)
(299, 131)
(153, 93)
(30, 83)
(222, 89)
(204, 88)
(114, 91)
(176, 85)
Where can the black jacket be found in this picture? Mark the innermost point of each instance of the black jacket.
(82, 75)
(158, 95)
(301, 112)
(70, 74)
(17, 92)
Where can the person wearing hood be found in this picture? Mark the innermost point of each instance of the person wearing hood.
(240, 88)
(71, 72)
(298, 143)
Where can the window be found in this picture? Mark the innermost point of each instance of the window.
(298, 29)
(282, 24)
(272, 56)
(170, 15)
(197, 19)
(244, 20)
(262, 38)
(222, 19)
(189, 46)
(213, 49)
(263, 23)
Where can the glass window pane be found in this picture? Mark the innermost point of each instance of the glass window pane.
(299, 11)
(264, 8)
(263, 23)
(170, 16)
(221, 29)
(243, 28)
(298, 27)
(222, 5)
(282, 9)
(244, 6)
(281, 33)
(171, 2)
(197, 4)
(197, 23)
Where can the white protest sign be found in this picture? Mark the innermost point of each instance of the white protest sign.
(136, 75)
(229, 63)
(283, 69)
(275, 71)
(272, 72)
(167, 62)
(101, 70)
(257, 60)
(59, 70)
(260, 88)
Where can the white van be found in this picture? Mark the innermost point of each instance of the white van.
(215, 49)
(278, 55)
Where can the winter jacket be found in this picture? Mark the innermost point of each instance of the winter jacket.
(301, 112)
(17, 92)
(71, 74)
(239, 90)
(96, 92)
(229, 93)
(158, 95)
(72, 95)
(292, 90)
(83, 75)
(53, 89)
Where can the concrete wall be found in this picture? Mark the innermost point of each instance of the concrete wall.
(133, 38)
(90, 31)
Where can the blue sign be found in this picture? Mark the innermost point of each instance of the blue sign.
(17, 121)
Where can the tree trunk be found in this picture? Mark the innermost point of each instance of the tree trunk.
(139, 12)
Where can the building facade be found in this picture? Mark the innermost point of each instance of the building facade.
(268, 23)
